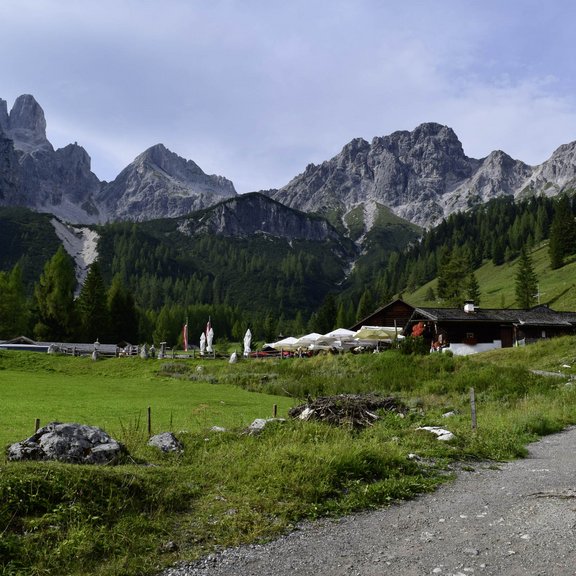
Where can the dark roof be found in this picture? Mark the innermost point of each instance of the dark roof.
(368, 319)
(537, 316)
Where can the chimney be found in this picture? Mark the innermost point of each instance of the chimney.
(469, 307)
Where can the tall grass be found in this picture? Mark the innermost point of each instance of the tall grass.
(230, 487)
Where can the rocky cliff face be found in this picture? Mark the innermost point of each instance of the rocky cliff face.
(421, 175)
(161, 184)
(252, 214)
(34, 175)
(158, 184)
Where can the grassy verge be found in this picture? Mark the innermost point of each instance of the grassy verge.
(230, 488)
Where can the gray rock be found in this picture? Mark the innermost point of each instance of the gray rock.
(166, 442)
(70, 442)
(260, 423)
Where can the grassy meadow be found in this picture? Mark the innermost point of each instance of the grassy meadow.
(557, 287)
(229, 488)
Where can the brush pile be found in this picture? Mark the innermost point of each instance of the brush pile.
(350, 410)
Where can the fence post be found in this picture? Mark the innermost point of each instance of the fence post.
(149, 421)
(36, 425)
(473, 408)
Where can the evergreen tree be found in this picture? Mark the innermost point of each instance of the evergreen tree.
(365, 306)
(526, 282)
(326, 315)
(498, 251)
(54, 295)
(562, 233)
(92, 307)
(473, 289)
(430, 295)
(14, 311)
(454, 270)
(124, 319)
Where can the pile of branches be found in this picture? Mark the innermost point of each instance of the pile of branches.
(350, 410)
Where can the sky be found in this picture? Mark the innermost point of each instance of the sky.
(255, 90)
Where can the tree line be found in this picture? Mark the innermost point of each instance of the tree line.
(149, 280)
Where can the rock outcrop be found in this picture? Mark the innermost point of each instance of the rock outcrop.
(72, 443)
(166, 442)
(252, 214)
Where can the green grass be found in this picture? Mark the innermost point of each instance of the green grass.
(115, 394)
(231, 488)
(497, 284)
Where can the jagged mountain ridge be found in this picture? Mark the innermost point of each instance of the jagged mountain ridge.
(157, 184)
(421, 176)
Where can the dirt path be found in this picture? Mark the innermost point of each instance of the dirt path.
(518, 519)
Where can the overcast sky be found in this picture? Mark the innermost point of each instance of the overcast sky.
(254, 90)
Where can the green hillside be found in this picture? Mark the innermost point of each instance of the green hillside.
(497, 283)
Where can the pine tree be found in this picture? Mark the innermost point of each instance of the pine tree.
(562, 233)
(92, 307)
(54, 295)
(326, 315)
(452, 275)
(365, 306)
(526, 282)
(123, 314)
(14, 311)
(473, 289)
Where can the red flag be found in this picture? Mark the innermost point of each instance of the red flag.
(185, 336)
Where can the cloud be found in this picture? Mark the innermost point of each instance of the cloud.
(255, 90)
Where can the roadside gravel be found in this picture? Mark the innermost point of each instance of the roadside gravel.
(518, 518)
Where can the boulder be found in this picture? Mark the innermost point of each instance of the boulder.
(260, 423)
(72, 443)
(166, 442)
(440, 433)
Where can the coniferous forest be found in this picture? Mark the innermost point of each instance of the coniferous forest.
(150, 278)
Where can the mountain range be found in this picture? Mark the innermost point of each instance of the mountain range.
(418, 177)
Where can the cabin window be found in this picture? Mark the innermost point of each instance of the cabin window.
(470, 338)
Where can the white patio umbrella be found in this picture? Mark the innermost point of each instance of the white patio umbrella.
(338, 339)
(340, 334)
(209, 340)
(376, 333)
(202, 343)
(307, 339)
(247, 342)
(284, 344)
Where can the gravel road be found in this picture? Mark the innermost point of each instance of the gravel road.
(517, 519)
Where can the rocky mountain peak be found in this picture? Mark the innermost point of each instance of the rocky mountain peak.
(4, 118)
(159, 157)
(161, 184)
(27, 125)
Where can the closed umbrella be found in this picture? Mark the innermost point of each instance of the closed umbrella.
(209, 340)
(202, 343)
(247, 342)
